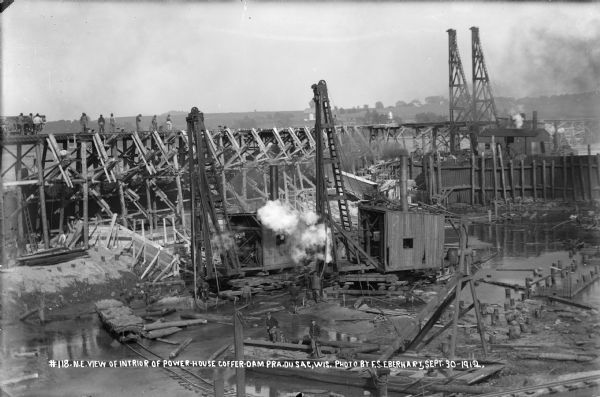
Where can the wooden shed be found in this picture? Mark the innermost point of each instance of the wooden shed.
(402, 240)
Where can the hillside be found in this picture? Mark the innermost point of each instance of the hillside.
(567, 106)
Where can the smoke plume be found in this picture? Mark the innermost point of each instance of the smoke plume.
(518, 120)
(307, 237)
(553, 59)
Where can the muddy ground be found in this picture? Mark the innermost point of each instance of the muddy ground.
(528, 239)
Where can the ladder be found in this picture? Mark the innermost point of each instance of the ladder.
(328, 130)
(33, 245)
(209, 202)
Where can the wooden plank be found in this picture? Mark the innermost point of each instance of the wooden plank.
(171, 324)
(573, 184)
(495, 169)
(180, 348)
(512, 179)
(582, 177)
(553, 178)
(590, 171)
(40, 169)
(111, 230)
(276, 345)
(533, 179)
(522, 178)
(84, 175)
(564, 176)
(544, 179)
(502, 179)
(482, 178)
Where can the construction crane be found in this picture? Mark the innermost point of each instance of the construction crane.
(208, 209)
(325, 129)
(460, 99)
(484, 106)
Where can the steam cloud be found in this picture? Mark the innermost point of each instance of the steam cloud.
(518, 120)
(308, 238)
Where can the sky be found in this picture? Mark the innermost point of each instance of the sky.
(62, 58)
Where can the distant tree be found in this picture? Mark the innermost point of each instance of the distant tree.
(415, 102)
(366, 107)
(379, 105)
(401, 104)
(435, 100)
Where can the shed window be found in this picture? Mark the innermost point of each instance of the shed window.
(280, 239)
(407, 243)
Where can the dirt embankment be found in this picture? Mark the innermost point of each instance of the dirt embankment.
(66, 287)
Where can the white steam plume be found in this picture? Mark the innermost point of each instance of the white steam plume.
(518, 120)
(306, 236)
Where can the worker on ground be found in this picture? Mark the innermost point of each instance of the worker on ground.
(294, 293)
(113, 127)
(101, 123)
(84, 121)
(62, 239)
(138, 122)
(169, 123)
(21, 124)
(203, 289)
(247, 294)
(272, 324)
(314, 332)
(315, 285)
(154, 123)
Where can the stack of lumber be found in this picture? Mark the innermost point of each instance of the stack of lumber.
(51, 257)
(119, 319)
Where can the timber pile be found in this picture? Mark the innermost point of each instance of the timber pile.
(259, 284)
(51, 257)
(119, 319)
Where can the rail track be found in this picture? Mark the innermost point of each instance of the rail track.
(185, 377)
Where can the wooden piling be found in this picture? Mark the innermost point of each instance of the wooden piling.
(573, 184)
(495, 168)
(564, 178)
(533, 179)
(482, 178)
(41, 186)
(544, 180)
(553, 179)
(512, 179)
(240, 375)
(472, 178)
(590, 171)
(84, 174)
(522, 178)
(582, 177)
(502, 180)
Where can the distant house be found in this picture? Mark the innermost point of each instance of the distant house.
(516, 141)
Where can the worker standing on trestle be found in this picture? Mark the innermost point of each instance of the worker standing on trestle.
(169, 123)
(138, 122)
(154, 124)
(101, 123)
(84, 121)
(21, 124)
(272, 324)
(113, 127)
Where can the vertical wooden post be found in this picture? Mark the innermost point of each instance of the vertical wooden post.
(431, 177)
(41, 185)
(544, 179)
(502, 179)
(245, 183)
(512, 179)
(240, 375)
(285, 185)
(219, 382)
(482, 177)
(582, 177)
(180, 208)
(18, 177)
(122, 202)
(439, 174)
(534, 179)
(472, 178)
(522, 178)
(495, 169)
(164, 222)
(411, 165)
(573, 177)
(564, 177)
(3, 253)
(84, 174)
(150, 210)
(598, 167)
(553, 178)
(591, 190)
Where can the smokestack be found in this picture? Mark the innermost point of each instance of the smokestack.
(534, 120)
(273, 182)
(404, 179)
